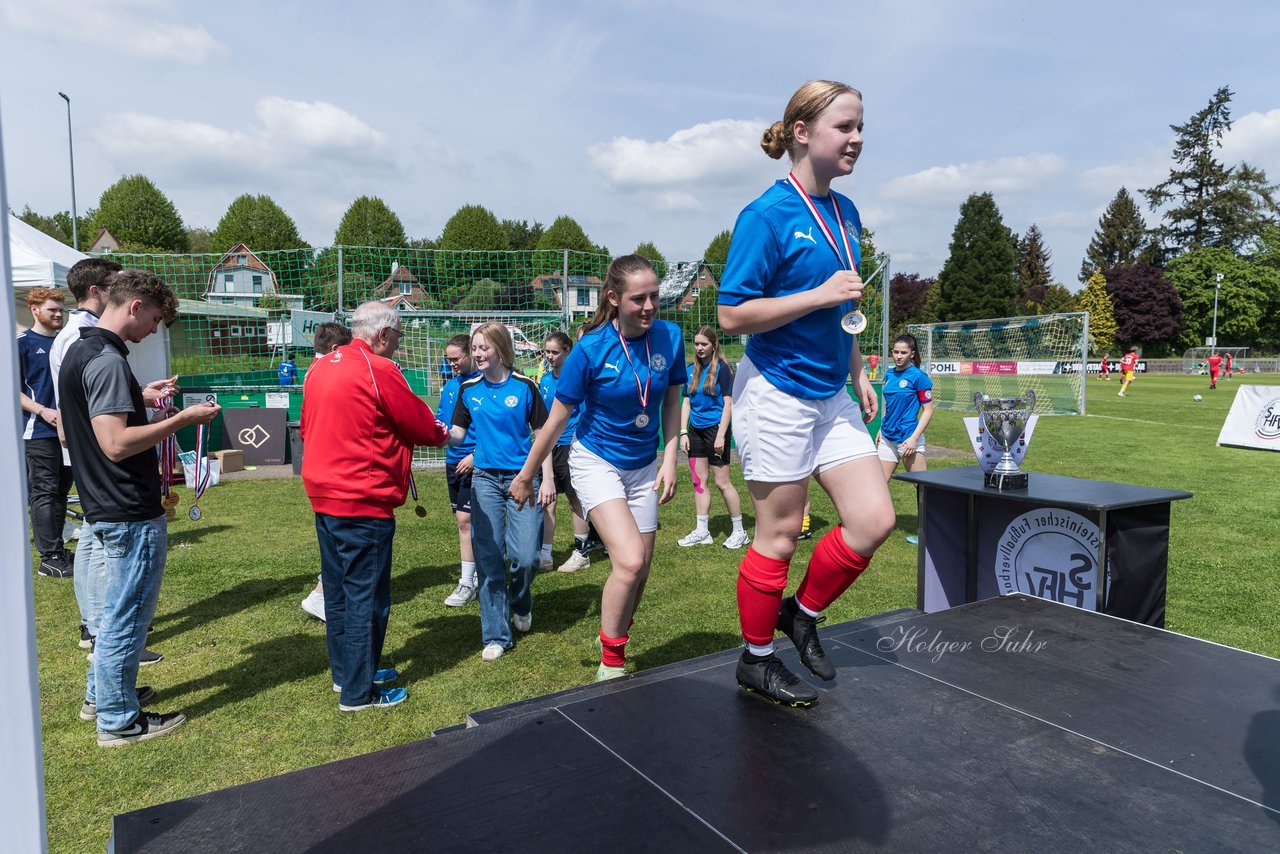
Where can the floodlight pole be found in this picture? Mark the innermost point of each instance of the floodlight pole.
(1216, 287)
(75, 235)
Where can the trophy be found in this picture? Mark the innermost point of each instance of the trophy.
(1005, 418)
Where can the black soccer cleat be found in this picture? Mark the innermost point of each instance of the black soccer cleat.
(803, 631)
(770, 677)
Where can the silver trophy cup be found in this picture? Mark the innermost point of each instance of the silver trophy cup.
(1006, 419)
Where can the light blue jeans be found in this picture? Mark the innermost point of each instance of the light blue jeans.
(501, 533)
(91, 575)
(134, 560)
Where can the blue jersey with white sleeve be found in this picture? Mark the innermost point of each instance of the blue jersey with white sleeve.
(602, 378)
(778, 250)
(905, 391)
(706, 410)
(500, 417)
(448, 402)
(547, 388)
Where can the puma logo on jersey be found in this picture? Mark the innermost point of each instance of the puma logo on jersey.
(800, 235)
(616, 369)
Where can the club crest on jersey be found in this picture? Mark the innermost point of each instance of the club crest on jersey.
(658, 362)
(902, 383)
(926, 395)
(851, 229)
(511, 401)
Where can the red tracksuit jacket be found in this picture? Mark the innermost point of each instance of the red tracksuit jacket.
(360, 421)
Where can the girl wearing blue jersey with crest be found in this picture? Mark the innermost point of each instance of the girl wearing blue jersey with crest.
(908, 408)
(705, 436)
(502, 408)
(625, 373)
(792, 283)
(554, 351)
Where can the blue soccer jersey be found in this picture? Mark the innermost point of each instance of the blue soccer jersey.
(705, 410)
(448, 402)
(778, 250)
(37, 381)
(500, 418)
(600, 374)
(547, 388)
(905, 391)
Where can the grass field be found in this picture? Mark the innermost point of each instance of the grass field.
(249, 668)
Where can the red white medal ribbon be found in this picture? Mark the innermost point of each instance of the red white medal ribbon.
(643, 395)
(168, 451)
(822, 223)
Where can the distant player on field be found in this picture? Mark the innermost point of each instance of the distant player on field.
(1104, 370)
(1128, 364)
(1228, 366)
(1215, 367)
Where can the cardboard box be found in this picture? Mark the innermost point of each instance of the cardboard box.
(229, 461)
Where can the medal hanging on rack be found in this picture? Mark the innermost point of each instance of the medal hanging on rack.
(413, 490)
(201, 472)
(642, 420)
(853, 322)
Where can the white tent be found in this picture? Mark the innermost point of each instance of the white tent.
(40, 261)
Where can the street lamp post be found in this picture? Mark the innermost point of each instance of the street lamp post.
(1216, 287)
(75, 236)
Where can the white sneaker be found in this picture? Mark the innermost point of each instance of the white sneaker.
(737, 540)
(492, 652)
(461, 595)
(314, 605)
(696, 538)
(604, 673)
(544, 564)
(522, 624)
(576, 561)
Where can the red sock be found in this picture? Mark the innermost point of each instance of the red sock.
(833, 567)
(761, 581)
(613, 651)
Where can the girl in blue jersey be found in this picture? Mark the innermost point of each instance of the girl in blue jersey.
(705, 436)
(790, 280)
(555, 350)
(625, 373)
(502, 409)
(458, 463)
(908, 408)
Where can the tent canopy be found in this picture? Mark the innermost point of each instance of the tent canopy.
(38, 260)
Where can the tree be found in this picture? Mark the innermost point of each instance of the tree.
(521, 235)
(1033, 271)
(1102, 315)
(565, 233)
(909, 301)
(717, 251)
(977, 280)
(369, 222)
(1147, 308)
(1120, 238)
(259, 223)
(470, 235)
(58, 226)
(141, 217)
(1059, 299)
(867, 251)
(1208, 203)
(1247, 299)
(199, 240)
(650, 251)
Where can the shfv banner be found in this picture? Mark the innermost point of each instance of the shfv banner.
(1254, 419)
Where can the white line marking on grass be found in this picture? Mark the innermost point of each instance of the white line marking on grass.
(1144, 421)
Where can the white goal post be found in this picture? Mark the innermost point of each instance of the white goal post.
(1003, 357)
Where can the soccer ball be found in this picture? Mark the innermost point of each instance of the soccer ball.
(1197, 398)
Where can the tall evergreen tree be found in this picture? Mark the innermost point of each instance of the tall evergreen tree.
(1034, 274)
(1102, 314)
(141, 217)
(977, 280)
(1120, 238)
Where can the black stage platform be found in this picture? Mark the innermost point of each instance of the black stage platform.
(1070, 731)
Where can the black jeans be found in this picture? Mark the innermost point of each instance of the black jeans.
(48, 482)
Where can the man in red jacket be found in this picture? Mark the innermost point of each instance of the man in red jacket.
(360, 421)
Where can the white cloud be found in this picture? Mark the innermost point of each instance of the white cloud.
(1145, 170)
(711, 154)
(1254, 137)
(944, 186)
(144, 29)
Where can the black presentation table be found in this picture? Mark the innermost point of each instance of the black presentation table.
(1093, 544)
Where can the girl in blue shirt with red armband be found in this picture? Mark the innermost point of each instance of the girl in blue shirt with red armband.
(625, 373)
(792, 283)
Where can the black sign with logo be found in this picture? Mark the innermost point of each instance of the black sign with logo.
(259, 433)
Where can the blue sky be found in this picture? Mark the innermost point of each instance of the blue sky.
(639, 119)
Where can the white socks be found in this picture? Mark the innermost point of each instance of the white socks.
(469, 573)
(737, 523)
(702, 525)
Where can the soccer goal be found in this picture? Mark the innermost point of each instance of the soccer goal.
(1195, 360)
(1006, 356)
